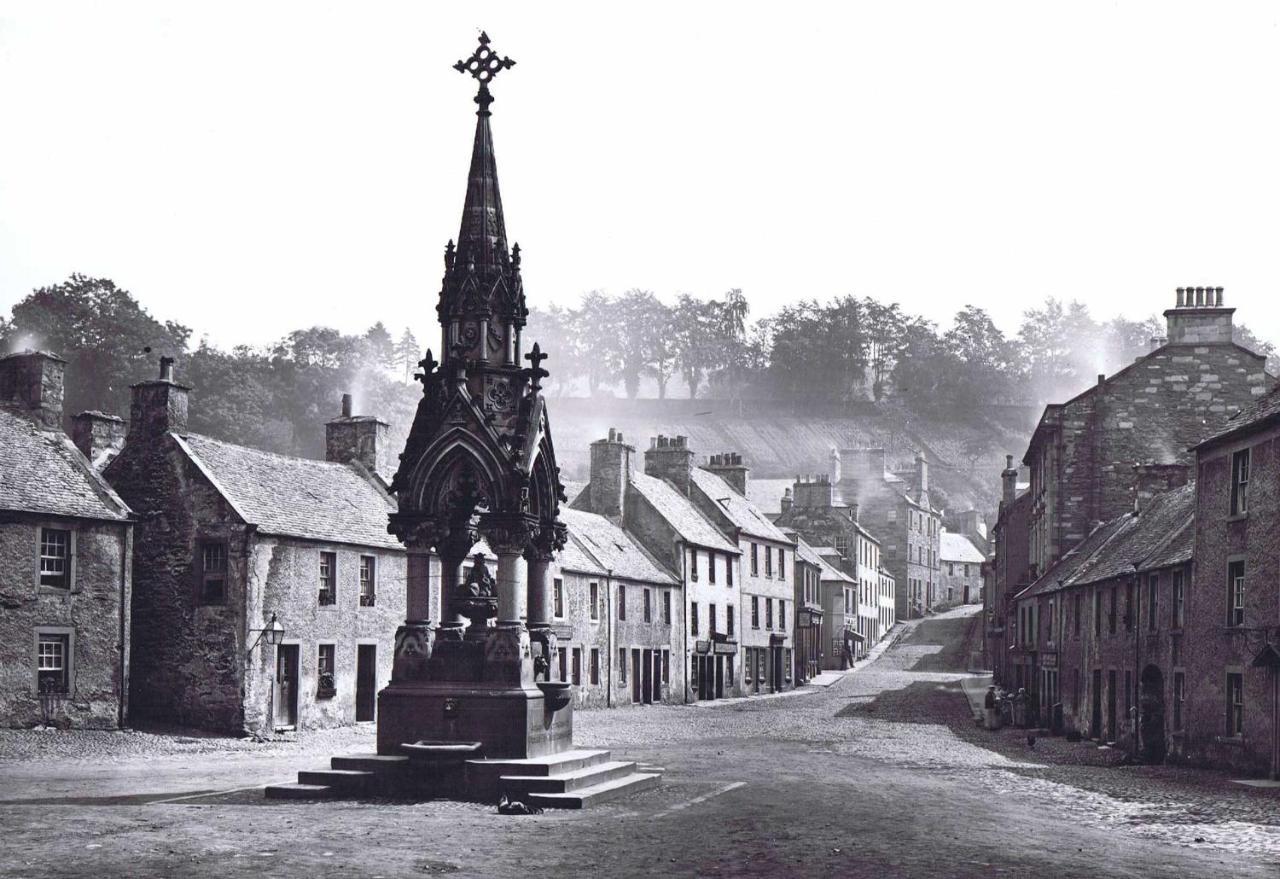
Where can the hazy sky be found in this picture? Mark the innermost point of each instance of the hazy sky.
(251, 168)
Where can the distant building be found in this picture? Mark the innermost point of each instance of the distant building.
(961, 569)
(230, 538)
(65, 572)
(657, 512)
(807, 583)
(1006, 574)
(1232, 647)
(842, 642)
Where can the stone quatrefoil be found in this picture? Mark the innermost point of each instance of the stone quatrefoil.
(484, 64)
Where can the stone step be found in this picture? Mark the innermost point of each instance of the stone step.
(347, 781)
(370, 762)
(551, 764)
(598, 793)
(292, 791)
(563, 782)
(441, 752)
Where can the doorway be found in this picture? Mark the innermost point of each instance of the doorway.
(286, 686)
(655, 695)
(1111, 706)
(646, 667)
(1095, 726)
(636, 686)
(366, 681)
(1151, 714)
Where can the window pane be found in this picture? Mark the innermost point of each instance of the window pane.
(55, 558)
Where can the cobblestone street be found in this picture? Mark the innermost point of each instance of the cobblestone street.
(883, 773)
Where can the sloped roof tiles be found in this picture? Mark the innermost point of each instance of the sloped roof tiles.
(606, 547)
(736, 508)
(41, 471)
(680, 513)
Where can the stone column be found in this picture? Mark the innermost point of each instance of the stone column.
(452, 555)
(417, 586)
(511, 583)
(540, 599)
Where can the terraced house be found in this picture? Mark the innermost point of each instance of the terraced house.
(266, 586)
(65, 563)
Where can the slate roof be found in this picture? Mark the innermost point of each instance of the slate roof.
(1178, 549)
(804, 551)
(740, 511)
(295, 497)
(42, 471)
(831, 572)
(1066, 569)
(680, 513)
(958, 548)
(1261, 411)
(601, 546)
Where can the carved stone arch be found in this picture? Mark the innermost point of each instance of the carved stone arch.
(442, 463)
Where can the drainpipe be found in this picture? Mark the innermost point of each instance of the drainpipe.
(126, 601)
(608, 604)
(1137, 658)
(685, 659)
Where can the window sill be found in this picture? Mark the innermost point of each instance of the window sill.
(326, 694)
(60, 591)
(1234, 741)
(1238, 517)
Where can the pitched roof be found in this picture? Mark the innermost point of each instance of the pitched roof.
(831, 572)
(767, 494)
(1065, 570)
(1261, 411)
(1177, 551)
(295, 497)
(958, 548)
(680, 513)
(606, 547)
(1163, 515)
(804, 551)
(41, 471)
(736, 508)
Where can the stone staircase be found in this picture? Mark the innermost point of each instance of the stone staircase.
(567, 780)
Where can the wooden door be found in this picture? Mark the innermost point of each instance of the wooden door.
(636, 691)
(286, 686)
(366, 681)
(646, 669)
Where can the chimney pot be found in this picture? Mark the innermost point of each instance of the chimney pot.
(346, 405)
(166, 369)
(1102, 378)
(1218, 291)
(1179, 305)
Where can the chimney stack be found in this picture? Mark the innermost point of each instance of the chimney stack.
(96, 434)
(31, 384)
(786, 502)
(813, 493)
(1010, 479)
(1199, 318)
(159, 406)
(1154, 479)
(922, 474)
(729, 467)
(361, 438)
(669, 458)
(610, 474)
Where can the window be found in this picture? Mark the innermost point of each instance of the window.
(622, 664)
(577, 666)
(755, 560)
(768, 561)
(368, 580)
(557, 596)
(1176, 594)
(1179, 697)
(563, 655)
(594, 600)
(1153, 601)
(711, 566)
(951, 569)
(1235, 593)
(213, 572)
(1111, 619)
(768, 613)
(622, 602)
(728, 570)
(842, 545)
(782, 614)
(693, 564)
(755, 611)
(1240, 482)
(328, 578)
(782, 564)
(711, 619)
(55, 558)
(53, 663)
(748, 668)
(693, 618)
(595, 666)
(729, 623)
(966, 569)
(1235, 704)
(326, 686)
(1128, 608)
(648, 608)
(1048, 629)
(1097, 613)
(666, 666)
(666, 606)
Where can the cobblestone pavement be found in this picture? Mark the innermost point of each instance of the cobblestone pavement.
(881, 774)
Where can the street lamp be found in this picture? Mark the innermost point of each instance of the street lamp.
(273, 634)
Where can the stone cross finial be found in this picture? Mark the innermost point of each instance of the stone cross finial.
(484, 64)
(535, 371)
(428, 365)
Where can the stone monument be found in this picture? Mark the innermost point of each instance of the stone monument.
(479, 462)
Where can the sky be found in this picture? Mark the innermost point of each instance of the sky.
(251, 168)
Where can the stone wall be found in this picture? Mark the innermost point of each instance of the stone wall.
(90, 613)
(1212, 648)
(953, 583)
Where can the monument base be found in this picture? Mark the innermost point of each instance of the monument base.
(508, 722)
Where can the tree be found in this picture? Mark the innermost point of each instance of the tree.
(107, 338)
(640, 325)
(1061, 348)
(380, 347)
(407, 353)
(1245, 338)
(691, 340)
(982, 359)
(595, 333)
(884, 329)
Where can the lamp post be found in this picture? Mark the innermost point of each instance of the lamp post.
(273, 634)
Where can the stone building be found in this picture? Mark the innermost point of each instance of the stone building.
(654, 508)
(65, 563)
(231, 538)
(766, 606)
(1082, 453)
(621, 613)
(1101, 633)
(1007, 573)
(1232, 688)
(807, 585)
(960, 569)
(841, 640)
(898, 512)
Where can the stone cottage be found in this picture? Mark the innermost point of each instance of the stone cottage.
(960, 569)
(230, 539)
(65, 574)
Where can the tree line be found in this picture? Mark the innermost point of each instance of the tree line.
(842, 352)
